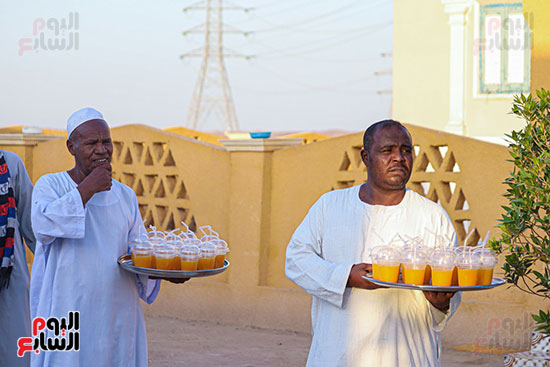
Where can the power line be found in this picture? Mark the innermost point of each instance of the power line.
(336, 41)
(296, 5)
(330, 87)
(297, 26)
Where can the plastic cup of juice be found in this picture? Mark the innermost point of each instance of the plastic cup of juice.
(142, 253)
(177, 244)
(208, 256)
(373, 253)
(221, 252)
(165, 257)
(414, 266)
(488, 261)
(442, 264)
(428, 273)
(189, 257)
(387, 261)
(157, 240)
(468, 264)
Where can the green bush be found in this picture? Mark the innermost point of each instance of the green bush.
(526, 224)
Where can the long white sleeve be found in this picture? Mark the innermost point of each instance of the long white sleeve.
(55, 216)
(305, 265)
(439, 318)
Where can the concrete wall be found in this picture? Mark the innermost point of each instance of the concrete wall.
(255, 199)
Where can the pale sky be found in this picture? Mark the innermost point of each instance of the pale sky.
(314, 66)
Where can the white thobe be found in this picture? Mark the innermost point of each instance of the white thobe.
(75, 269)
(358, 327)
(14, 301)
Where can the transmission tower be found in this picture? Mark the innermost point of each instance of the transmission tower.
(212, 93)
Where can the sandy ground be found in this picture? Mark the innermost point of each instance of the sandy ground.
(174, 343)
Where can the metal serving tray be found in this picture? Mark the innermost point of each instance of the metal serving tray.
(431, 288)
(125, 263)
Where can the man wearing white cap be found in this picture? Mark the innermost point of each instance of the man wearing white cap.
(83, 221)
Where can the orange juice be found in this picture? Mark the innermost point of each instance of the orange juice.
(454, 280)
(176, 263)
(413, 276)
(375, 271)
(206, 264)
(388, 273)
(189, 265)
(467, 277)
(427, 274)
(142, 261)
(485, 276)
(165, 263)
(442, 278)
(218, 263)
(221, 252)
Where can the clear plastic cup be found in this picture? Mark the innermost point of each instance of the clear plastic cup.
(428, 272)
(192, 241)
(468, 263)
(442, 264)
(373, 253)
(488, 261)
(155, 235)
(208, 256)
(165, 257)
(171, 237)
(414, 266)
(209, 239)
(386, 263)
(157, 240)
(177, 244)
(189, 257)
(221, 251)
(142, 253)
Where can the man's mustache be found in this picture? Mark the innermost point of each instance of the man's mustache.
(399, 166)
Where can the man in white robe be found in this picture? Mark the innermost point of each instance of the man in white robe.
(355, 322)
(83, 221)
(14, 300)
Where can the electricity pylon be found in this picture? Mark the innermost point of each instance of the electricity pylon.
(212, 93)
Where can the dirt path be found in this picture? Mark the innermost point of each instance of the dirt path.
(175, 343)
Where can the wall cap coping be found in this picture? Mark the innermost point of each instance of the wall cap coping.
(26, 139)
(259, 145)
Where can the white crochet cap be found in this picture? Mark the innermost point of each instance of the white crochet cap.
(81, 116)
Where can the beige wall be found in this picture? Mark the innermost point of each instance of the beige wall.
(421, 72)
(540, 28)
(420, 63)
(49, 157)
(255, 200)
